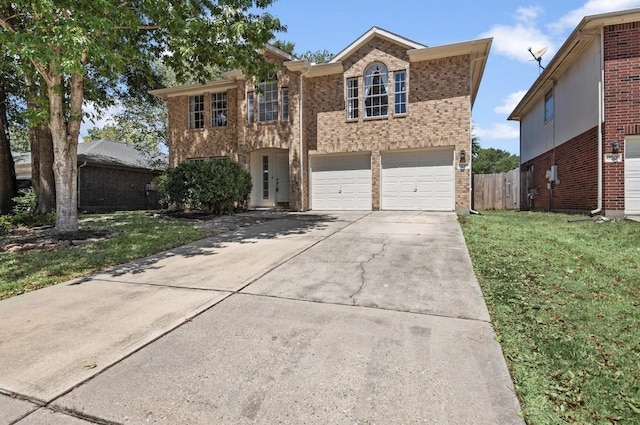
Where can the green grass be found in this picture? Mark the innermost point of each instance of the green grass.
(564, 299)
(138, 235)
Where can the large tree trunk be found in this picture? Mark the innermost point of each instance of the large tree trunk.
(8, 184)
(42, 178)
(46, 178)
(65, 134)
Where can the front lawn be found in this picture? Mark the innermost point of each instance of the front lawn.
(122, 237)
(564, 299)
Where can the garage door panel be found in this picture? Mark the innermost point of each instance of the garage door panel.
(632, 177)
(341, 182)
(418, 181)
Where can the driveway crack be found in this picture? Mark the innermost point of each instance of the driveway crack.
(363, 280)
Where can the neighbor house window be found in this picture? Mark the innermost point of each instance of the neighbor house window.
(376, 98)
(400, 92)
(268, 101)
(196, 112)
(352, 98)
(548, 106)
(250, 108)
(219, 109)
(284, 103)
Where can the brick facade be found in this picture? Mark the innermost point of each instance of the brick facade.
(621, 103)
(104, 188)
(577, 162)
(438, 115)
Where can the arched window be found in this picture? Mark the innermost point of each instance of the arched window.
(376, 97)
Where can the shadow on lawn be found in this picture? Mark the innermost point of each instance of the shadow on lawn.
(243, 229)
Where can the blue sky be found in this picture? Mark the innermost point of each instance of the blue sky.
(514, 25)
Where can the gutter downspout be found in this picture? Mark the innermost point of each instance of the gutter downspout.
(300, 105)
(600, 119)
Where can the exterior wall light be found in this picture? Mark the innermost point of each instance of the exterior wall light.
(616, 147)
(463, 156)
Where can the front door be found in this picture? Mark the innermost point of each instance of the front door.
(270, 175)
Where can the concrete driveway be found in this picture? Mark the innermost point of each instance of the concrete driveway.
(315, 318)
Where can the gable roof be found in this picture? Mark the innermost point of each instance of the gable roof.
(107, 152)
(369, 35)
(569, 52)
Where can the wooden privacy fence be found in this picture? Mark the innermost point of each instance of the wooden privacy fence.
(497, 191)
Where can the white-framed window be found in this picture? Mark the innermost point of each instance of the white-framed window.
(400, 92)
(196, 112)
(352, 98)
(548, 106)
(376, 97)
(251, 117)
(284, 104)
(206, 158)
(268, 101)
(219, 109)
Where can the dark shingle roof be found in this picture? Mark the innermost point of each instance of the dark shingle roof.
(107, 152)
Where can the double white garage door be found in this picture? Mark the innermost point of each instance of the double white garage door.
(416, 180)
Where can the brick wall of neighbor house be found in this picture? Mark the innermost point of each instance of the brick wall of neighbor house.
(577, 162)
(110, 189)
(621, 103)
(437, 113)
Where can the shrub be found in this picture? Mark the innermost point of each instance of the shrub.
(217, 186)
(25, 202)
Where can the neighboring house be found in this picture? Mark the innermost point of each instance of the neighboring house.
(580, 122)
(386, 124)
(111, 176)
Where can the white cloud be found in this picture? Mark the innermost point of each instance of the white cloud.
(515, 40)
(591, 7)
(96, 118)
(498, 131)
(510, 102)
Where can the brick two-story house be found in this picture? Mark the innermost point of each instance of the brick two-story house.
(580, 121)
(386, 124)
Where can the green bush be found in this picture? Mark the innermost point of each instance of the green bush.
(25, 202)
(219, 186)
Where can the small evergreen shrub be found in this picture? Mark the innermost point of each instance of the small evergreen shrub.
(218, 186)
(25, 202)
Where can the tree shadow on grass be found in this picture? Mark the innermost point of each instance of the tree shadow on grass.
(245, 228)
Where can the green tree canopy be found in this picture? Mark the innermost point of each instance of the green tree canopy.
(83, 47)
(491, 160)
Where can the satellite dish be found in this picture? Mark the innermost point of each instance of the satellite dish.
(537, 56)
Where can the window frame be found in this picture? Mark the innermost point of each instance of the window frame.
(376, 94)
(195, 118)
(353, 98)
(400, 95)
(251, 108)
(219, 106)
(549, 100)
(284, 103)
(268, 101)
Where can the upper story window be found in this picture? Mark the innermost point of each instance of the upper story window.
(219, 109)
(251, 118)
(284, 103)
(400, 92)
(548, 106)
(196, 112)
(376, 98)
(352, 98)
(268, 101)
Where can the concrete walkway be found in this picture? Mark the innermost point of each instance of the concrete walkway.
(315, 318)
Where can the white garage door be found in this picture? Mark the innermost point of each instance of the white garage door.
(418, 181)
(632, 177)
(341, 182)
